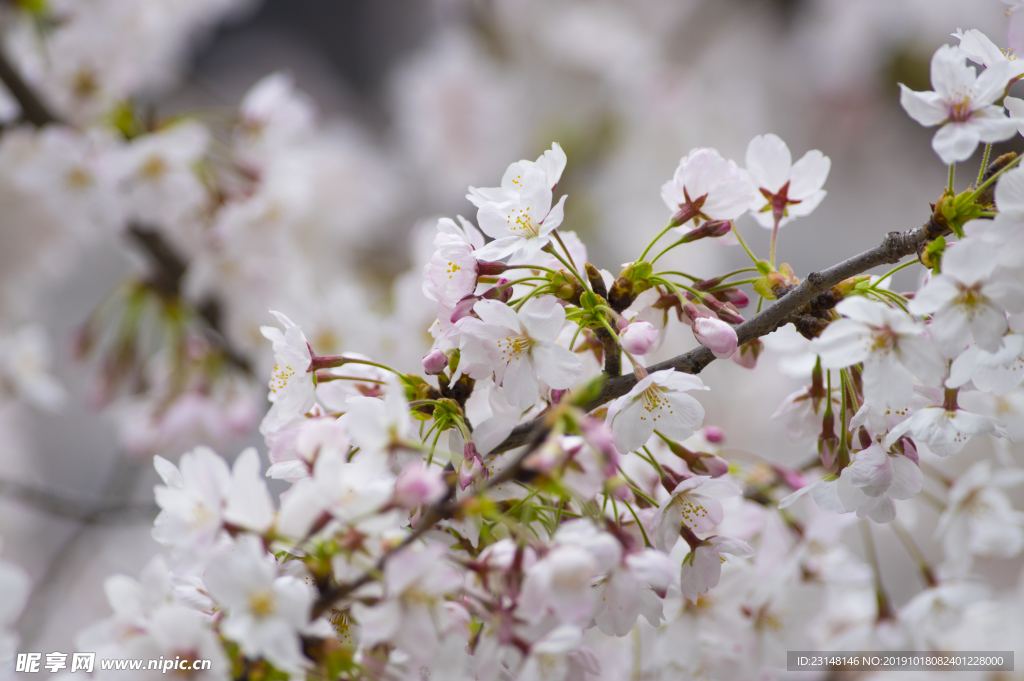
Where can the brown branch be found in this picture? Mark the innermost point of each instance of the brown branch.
(895, 246)
(84, 510)
(32, 109)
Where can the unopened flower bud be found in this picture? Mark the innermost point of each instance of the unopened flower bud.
(472, 466)
(711, 228)
(638, 337)
(708, 284)
(565, 286)
(725, 311)
(714, 434)
(792, 477)
(490, 268)
(496, 292)
(700, 463)
(715, 335)
(419, 484)
(621, 295)
(435, 361)
(732, 295)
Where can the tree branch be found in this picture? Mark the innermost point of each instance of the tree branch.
(895, 246)
(32, 109)
(87, 511)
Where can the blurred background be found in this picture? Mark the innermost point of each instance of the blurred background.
(410, 102)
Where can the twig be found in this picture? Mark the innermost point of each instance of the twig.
(32, 109)
(87, 511)
(894, 246)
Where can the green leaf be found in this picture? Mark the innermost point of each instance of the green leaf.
(763, 288)
(764, 267)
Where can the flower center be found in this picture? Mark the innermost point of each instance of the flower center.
(969, 300)
(691, 509)
(960, 109)
(654, 401)
(514, 347)
(883, 340)
(279, 377)
(521, 224)
(262, 603)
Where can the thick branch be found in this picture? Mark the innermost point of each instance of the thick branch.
(895, 246)
(32, 109)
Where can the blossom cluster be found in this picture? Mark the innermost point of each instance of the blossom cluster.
(514, 506)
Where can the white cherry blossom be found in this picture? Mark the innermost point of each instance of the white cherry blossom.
(963, 104)
(693, 503)
(786, 190)
(266, 611)
(969, 298)
(702, 568)
(980, 49)
(631, 590)
(658, 401)
(292, 387)
(945, 430)
(708, 187)
(893, 348)
(520, 348)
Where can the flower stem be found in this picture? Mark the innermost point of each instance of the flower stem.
(884, 607)
(893, 271)
(654, 241)
(775, 235)
(908, 542)
(743, 243)
(984, 163)
(565, 250)
(583, 282)
(952, 175)
(986, 183)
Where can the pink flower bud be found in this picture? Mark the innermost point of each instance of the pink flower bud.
(713, 434)
(792, 477)
(435, 361)
(419, 484)
(472, 466)
(733, 295)
(715, 335)
(713, 465)
(639, 337)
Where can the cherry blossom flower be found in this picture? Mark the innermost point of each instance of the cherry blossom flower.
(996, 372)
(658, 400)
(979, 519)
(266, 612)
(693, 503)
(715, 335)
(969, 299)
(379, 426)
(981, 50)
(197, 499)
(708, 187)
(893, 348)
(702, 568)
(520, 348)
(945, 430)
(963, 104)
(631, 590)
(519, 215)
(292, 387)
(875, 478)
(788, 190)
(452, 271)
(26, 360)
(559, 654)
(411, 615)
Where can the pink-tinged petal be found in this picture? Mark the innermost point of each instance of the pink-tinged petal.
(672, 195)
(927, 108)
(769, 162)
(991, 84)
(497, 314)
(630, 426)
(1010, 187)
(992, 124)
(871, 470)
(520, 383)
(556, 365)
(949, 74)
(884, 512)
(808, 176)
(669, 523)
(554, 218)
(956, 142)
(682, 418)
(907, 479)
(542, 317)
(499, 248)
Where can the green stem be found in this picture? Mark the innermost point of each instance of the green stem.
(667, 249)
(952, 175)
(565, 250)
(731, 284)
(775, 235)
(680, 274)
(647, 542)
(743, 243)
(531, 294)
(893, 271)
(986, 183)
(984, 162)
(520, 281)
(654, 241)
(583, 282)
